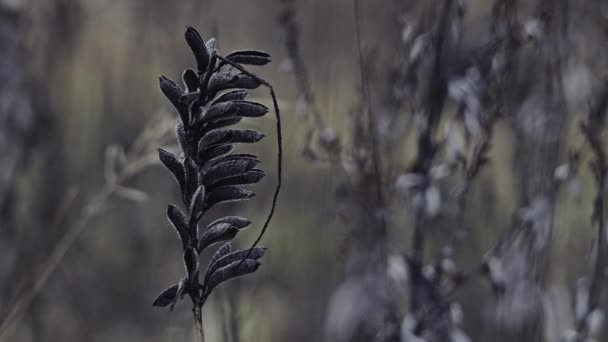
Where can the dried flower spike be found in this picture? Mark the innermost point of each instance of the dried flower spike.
(208, 173)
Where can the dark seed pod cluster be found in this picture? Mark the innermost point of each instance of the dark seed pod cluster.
(208, 173)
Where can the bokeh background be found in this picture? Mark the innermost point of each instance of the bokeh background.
(84, 242)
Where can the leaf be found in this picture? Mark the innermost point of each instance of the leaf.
(190, 99)
(180, 222)
(222, 229)
(236, 108)
(231, 96)
(245, 82)
(182, 139)
(212, 48)
(191, 81)
(212, 45)
(197, 199)
(249, 57)
(224, 74)
(247, 136)
(191, 263)
(227, 169)
(212, 137)
(249, 177)
(199, 48)
(214, 152)
(227, 194)
(181, 289)
(237, 221)
(195, 112)
(231, 271)
(217, 233)
(235, 156)
(174, 93)
(224, 79)
(224, 250)
(229, 136)
(166, 297)
(220, 123)
(176, 168)
(171, 90)
(227, 259)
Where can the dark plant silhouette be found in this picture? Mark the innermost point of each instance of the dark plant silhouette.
(207, 172)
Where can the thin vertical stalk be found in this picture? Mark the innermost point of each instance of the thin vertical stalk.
(592, 132)
(197, 310)
(434, 103)
(377, 167)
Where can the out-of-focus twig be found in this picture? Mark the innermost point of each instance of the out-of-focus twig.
(140, 156)
(592, 130)
(371, 126)
(287, 21)
(426, 146)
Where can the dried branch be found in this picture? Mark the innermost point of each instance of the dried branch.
(592, 130)
(137, 159)
(208, 174)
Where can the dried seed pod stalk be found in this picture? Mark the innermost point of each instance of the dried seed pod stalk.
(208, 173)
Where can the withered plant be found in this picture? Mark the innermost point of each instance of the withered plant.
(207, 171)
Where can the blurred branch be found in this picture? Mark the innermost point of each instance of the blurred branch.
(503, 45)
(592, 130)
(139, 158)
(426, 147)
(328, 137)
(287, 21)
(371, 125)
(17, 117)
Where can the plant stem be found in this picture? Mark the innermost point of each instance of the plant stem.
(198, 320)
(377, 171)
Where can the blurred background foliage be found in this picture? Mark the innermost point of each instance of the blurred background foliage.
(91, 70)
